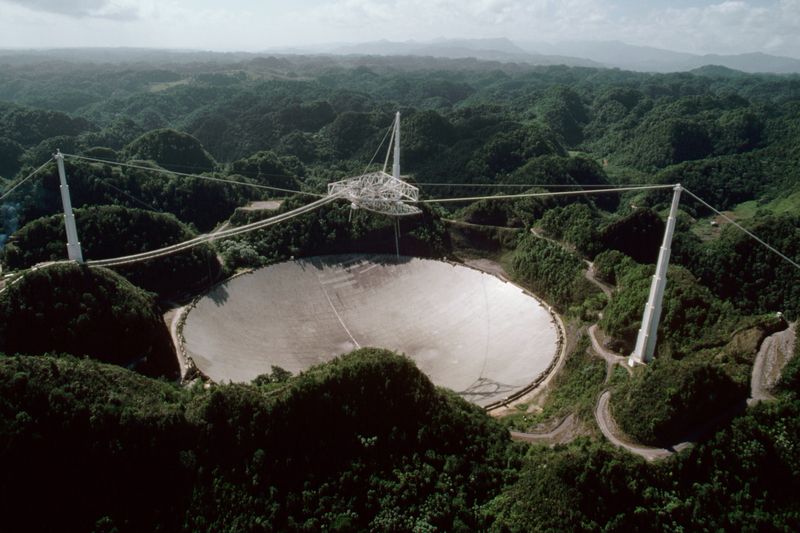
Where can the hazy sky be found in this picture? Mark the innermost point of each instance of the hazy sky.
(731, 26)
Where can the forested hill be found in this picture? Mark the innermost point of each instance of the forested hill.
(362, 443)
(471, 123)
(367, 442)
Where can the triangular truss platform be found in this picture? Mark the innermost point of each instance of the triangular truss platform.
(380, 192)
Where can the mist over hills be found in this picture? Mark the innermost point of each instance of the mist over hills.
(594, 54)
(617, 54)
(609, 54)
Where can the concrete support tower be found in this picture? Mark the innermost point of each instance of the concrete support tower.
(396, 175)
(396, 161)
(73, 244)
(646, 341)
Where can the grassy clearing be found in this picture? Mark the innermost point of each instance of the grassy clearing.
(158, 87)
(704, 229)
(788, 204)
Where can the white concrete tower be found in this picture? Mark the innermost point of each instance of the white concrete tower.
(646, 341)
(73, 244)
(396, 163)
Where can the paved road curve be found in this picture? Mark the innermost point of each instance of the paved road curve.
(609, 428)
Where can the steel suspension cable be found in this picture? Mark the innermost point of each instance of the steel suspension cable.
(201, 239)
(740, 227)
(543, 194)
(527, 185)
(197, 176)
(23, 180)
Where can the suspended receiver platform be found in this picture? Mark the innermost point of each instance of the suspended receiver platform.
(379, 191)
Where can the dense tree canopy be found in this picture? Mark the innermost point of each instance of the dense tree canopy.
(320, 453)
(367, 442)
(73, 309)
(115, 231)
(170, 149)
(550, 271)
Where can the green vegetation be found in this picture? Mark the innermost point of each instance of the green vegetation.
(612, 265)
(637, 235)
(692, 316)
(194, 201)
(170, 149)
(680, 397)
(334, 228)
(82, 311)
(471, 240)
(105, 447)
(575, 224)
(367, 442)
(551, 272)
(581, 487)
(364, 442)
(114, 231)
(749, 276)
(574, 390)
(320, 452)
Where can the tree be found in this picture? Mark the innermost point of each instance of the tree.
(82, 311)
(10, 153)
(171, 149)
(116, 231)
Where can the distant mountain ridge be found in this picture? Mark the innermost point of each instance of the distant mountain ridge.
(610, 54)
(593, 54)
(486, 49)
(616, 54)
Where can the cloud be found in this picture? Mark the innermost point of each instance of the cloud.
(421, 19)
(107, 9)
(727, 27)
(702, 26)
(722, 26)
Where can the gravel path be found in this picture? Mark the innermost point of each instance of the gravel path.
(611, 358)
(565, 431)
(172, 318)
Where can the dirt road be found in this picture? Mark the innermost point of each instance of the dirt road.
(565, 431)
(172, 318)
(609, 428)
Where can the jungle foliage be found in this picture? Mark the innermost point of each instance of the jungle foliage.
(551, 272)
(115, 231)
(333, 229)
(367, 442)
(363, 442)
(85, 312)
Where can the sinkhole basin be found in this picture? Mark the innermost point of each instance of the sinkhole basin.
(468, 331)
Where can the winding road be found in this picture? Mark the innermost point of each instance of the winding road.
(173, 322)
(610, 357)
(609, 428)
(563, 432)
(773, 354)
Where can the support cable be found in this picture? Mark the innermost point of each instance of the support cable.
(389, 151)
(127, 194)
(191, 243)
(379, 148)
(197, 176)
(542, 194)
(748, 232)
(23, 180)
(528, 185)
